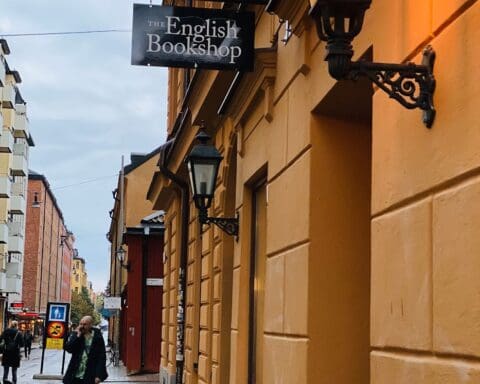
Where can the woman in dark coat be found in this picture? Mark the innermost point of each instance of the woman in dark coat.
(89, 360)
(13, 340)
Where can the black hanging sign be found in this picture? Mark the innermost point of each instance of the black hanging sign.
(192, 37)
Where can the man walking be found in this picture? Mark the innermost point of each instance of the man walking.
(12, 340)
(27, 340)
(88, 362)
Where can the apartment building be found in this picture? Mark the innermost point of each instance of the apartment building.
(79, 278)
(49, 248)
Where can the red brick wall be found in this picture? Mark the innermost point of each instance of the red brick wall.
(45, 277)
(32, 246)
(66, 291)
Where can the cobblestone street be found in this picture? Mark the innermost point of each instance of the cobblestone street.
(53, 365)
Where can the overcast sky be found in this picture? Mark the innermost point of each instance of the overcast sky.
(87, 107)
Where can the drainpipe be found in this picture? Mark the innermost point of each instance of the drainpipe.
(181, 311)
(143, 336)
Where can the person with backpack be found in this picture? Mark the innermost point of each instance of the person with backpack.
(12, 340)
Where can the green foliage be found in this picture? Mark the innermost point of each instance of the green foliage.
(81, 305)
(99, 302)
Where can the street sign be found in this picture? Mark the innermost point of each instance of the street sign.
(107, 313)
(154, 282)
(56, 326)
(114, 302)
(189, 37)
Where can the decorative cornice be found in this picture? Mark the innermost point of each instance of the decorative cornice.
(253, 84)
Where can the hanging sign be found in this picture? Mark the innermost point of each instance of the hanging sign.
(192, 37)
(113, 302)
(56, 325)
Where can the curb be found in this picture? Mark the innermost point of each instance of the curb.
(40, 376)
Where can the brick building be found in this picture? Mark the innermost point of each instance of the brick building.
(49, 248)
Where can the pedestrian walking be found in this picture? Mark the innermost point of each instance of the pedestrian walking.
(12, 340)
(27, 341)
(89, 360)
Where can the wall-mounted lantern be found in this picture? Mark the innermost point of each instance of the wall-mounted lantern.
(121, 258)
(203, 163)
(338, 22)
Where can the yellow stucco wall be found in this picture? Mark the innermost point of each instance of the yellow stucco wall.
(136, 186)
(79, 276)
(371, 267)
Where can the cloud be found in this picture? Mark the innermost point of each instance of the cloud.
(87, 107)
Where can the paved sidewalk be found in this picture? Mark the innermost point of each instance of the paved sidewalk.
(53, 365)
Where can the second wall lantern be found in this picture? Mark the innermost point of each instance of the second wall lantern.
(203, 163)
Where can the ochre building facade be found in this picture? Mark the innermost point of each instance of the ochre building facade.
(138, 231)
(357, 257)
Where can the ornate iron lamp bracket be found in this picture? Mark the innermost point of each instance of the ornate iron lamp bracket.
(228, 225)
(338, 22)
(410, 84)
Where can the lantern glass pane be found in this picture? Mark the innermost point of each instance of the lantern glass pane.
(191, 176)
(205, 175)
(121, 254)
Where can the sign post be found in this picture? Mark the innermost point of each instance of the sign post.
(56, 329)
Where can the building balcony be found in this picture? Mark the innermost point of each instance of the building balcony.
(18, 205)
(16, 244)
(15, 228)
(21, 108)
(6, 141)
(5, 186)
(19, 165)
(3, 71)
(13, 284)
(21, 123)
(8, 118)
(14, 269)
(8, 96)
(18, 188)
(20, 149)
(3, 281)
(4, 232)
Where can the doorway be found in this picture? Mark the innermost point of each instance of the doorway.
(257, 282)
